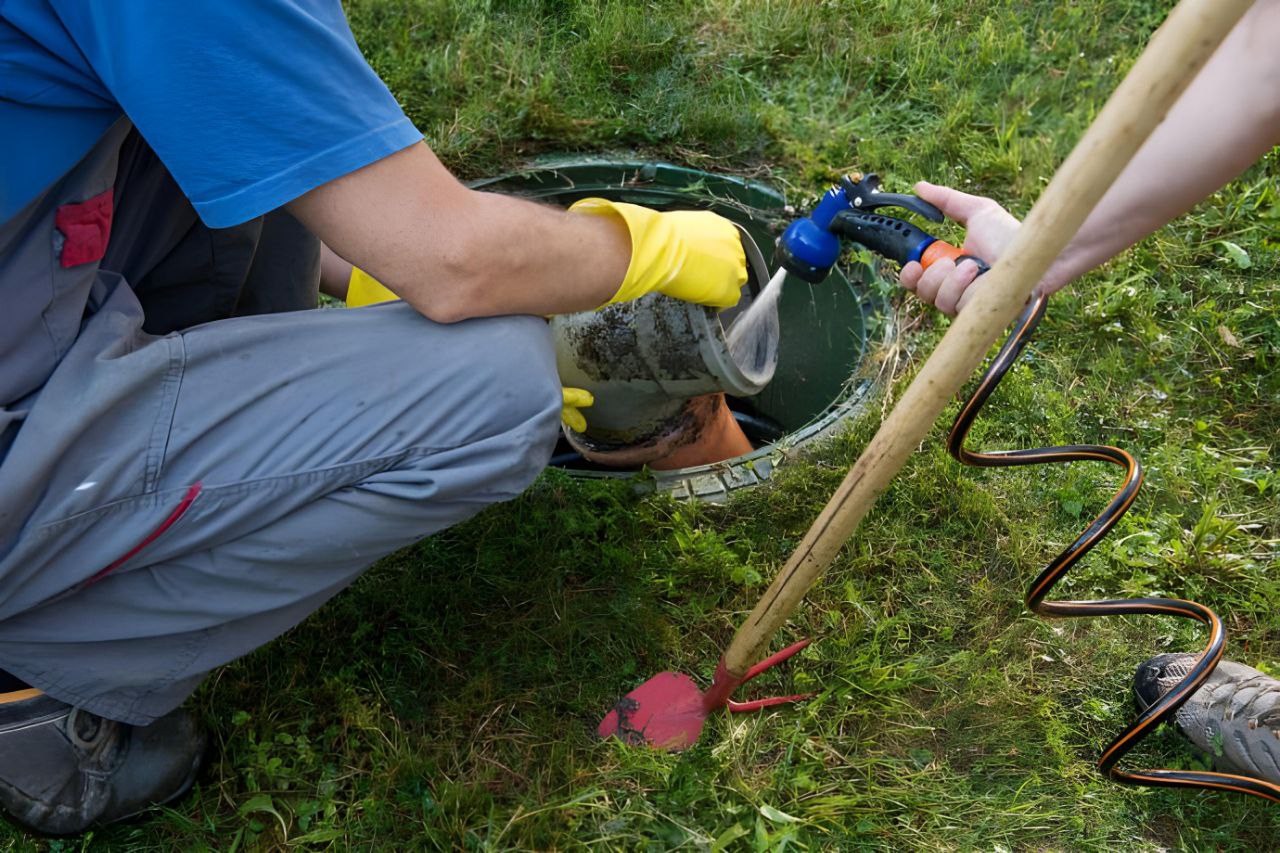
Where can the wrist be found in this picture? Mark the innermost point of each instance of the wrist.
(1055, 278)
(622, 225)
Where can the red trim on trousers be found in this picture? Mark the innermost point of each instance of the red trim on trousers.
(178, 511)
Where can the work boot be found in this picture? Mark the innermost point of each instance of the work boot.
(1234, 716)
(63, 769)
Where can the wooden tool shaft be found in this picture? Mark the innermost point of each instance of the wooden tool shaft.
(1177, 51)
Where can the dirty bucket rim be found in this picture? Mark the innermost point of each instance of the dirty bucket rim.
(718, 358)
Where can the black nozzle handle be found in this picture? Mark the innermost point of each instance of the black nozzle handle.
(895, 239)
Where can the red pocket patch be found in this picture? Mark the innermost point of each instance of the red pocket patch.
(86, 228)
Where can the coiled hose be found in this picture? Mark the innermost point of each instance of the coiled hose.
(1170, 702)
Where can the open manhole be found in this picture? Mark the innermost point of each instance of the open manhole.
(829, 330)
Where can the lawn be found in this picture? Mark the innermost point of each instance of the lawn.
(447, 700)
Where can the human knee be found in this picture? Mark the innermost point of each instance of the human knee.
(531, 392)
(503, 383)
(499, 416)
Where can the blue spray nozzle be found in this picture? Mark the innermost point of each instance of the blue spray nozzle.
(808, 249)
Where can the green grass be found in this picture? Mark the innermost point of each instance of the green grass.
(448, 699)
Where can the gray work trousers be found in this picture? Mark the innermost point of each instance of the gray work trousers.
(169, 503)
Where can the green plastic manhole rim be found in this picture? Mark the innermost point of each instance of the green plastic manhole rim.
(830, 332)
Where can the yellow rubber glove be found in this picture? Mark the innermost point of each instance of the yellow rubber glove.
(364, 289)
(575, 399)
(694, 255)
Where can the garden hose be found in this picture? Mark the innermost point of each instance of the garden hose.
(809, 248)
(1171, 701)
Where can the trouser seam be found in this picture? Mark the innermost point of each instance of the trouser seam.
(158, 444)
(152, 498)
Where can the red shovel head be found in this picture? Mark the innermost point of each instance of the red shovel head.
(668, 710)
(665, 712)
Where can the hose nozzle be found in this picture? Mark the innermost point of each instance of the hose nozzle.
(808, 249)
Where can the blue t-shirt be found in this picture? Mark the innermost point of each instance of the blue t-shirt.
(249, 103)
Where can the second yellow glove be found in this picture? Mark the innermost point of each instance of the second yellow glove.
(575, 399)
(364, 289)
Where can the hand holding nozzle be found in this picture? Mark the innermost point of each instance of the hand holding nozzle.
(810, 247)
(899, 240)
(989, 229)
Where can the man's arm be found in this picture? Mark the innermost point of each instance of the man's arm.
(455, 253)
(1228, 117)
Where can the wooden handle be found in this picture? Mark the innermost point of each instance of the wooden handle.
(1177, 51)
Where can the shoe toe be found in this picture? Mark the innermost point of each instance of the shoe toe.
(1157, 676)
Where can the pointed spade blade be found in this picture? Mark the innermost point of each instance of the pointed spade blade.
(666, 712)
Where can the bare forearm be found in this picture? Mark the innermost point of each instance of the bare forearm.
(1228, 118)
(534, 259)
(455, 253)
(335, 273)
